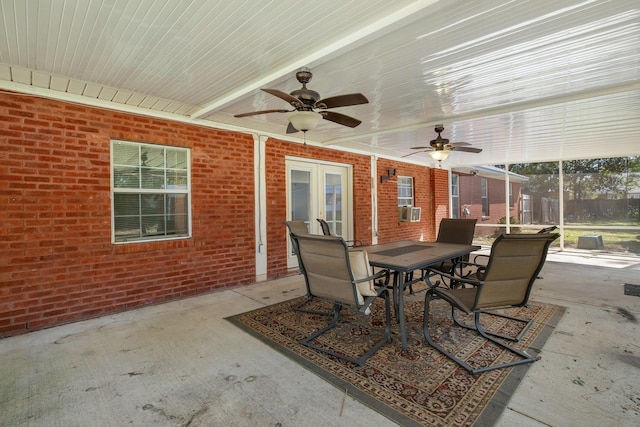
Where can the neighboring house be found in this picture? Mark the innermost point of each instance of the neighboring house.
(479, 192)
(197, 209)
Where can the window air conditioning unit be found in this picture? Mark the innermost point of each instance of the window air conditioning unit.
(408, 214)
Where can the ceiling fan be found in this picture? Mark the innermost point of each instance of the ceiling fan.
(440, 148)
(309, 108)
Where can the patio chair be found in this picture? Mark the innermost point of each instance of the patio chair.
(326, 230)
(452, 230)
(344, 278)
(548, 230)
(300, 228)
(297, 227)
(545, 230)
(506, 281)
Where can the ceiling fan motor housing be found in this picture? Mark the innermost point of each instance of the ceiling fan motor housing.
(307, 101)
(440, 143)
(307, 96)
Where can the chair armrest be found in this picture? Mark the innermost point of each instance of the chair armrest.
(455, 278)
(382, 273)
(471, 263)
(380, 289)
(480, 268)
(475, 258)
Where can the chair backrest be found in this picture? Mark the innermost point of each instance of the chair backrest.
(548, 230)
(453, 230)
(297, 227)
(514, 264)
(331, 270)
(325, 227)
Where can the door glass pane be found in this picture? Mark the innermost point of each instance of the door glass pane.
(333, 202)
(300, 195)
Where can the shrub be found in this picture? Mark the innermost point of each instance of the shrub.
(512, 220)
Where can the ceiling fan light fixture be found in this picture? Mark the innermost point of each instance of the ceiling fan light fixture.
(304, 120)
(439, 155)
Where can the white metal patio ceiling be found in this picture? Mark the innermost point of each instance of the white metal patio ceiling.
(523, 80)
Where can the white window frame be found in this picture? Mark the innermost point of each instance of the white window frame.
(484, 196)
(180, 192)
(455, 196)
(511, 195)
(405, 182)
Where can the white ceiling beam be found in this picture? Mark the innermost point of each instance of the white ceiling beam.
(403, 16)
(504, 109)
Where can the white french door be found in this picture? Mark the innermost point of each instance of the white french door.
(319, 190)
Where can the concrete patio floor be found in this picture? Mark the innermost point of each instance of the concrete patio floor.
(182, 364)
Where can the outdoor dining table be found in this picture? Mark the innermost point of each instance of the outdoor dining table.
(406, 256)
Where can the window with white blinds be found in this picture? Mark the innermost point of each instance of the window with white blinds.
(405, 191)
(150, 191)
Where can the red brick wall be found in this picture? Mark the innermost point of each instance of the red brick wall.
(424, 179)
(276, 191)
(57, 262)
(470, 195)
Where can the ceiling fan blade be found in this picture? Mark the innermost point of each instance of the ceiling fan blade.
(291, 129)
(342, 101)
(459, 144)
(341, 119)
(260, 112)
(420, 148)
(468, 149)
(416, 152)
(284, 96)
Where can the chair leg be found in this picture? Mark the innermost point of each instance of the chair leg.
(525, 357)
(425, 329)
(308, 341)
(527, 322)
(409, 279)
(334, 322)
(299, 308)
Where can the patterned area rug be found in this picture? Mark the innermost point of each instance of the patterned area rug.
(419, 386)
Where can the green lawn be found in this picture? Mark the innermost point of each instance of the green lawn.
(613, 240)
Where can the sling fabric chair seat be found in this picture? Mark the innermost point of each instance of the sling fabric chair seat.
(344, 278)
(455, 230)
(545, 230)
(506, 281)
(452, 230)
(301, 228)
